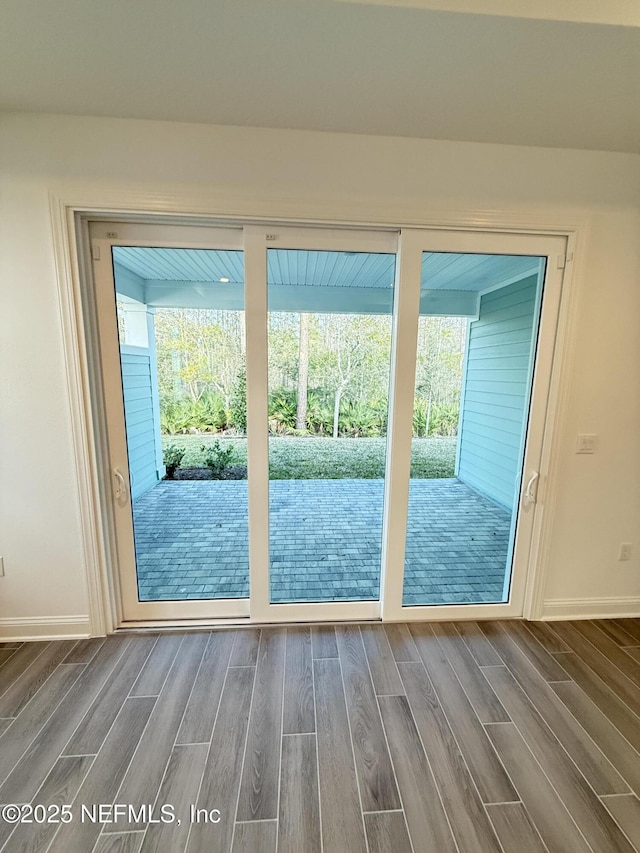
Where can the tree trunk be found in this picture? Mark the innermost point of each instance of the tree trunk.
(336, 410)
(427, 417)
(303, 372)
(435, 377)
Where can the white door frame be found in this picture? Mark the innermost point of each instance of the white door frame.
(258, 240)
(413, 243)
(255, 241)
(104, 236)
(70, 215)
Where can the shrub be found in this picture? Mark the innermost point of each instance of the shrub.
(175, 416)
(358, 420)
(238, 412)
(419, 418)
(319, 412)
(204, 415)
(172, 457)
(282, 411)
(444, 419)
(380, 408)
(216, 458)
(209, 414)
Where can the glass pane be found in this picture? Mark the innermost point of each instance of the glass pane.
(182, 352)
(470, 415)
(329, 361)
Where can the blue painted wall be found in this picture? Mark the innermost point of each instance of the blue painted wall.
(141, 427)
(496, 390)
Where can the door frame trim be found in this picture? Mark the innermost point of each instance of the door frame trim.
(549, 279)
(73, 207)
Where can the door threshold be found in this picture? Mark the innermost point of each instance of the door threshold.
(181, 625)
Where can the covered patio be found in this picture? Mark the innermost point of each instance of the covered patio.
(325, 538)
(326, 534)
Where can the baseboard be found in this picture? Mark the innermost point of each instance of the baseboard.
(591, 608)
(27, 628)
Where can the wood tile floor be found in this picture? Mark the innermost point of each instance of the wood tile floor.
(493, 736)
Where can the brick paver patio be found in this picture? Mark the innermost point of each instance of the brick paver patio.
(191, 541)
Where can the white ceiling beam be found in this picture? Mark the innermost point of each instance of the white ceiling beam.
(129, 285)
(295, 298)
(450, 303)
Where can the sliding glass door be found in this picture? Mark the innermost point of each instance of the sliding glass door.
(322, 424)
(329, 339)
(324, 359)
(172, 324)
(478, 322)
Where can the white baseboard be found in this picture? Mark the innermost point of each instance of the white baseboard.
(591, 608)
(27, 628)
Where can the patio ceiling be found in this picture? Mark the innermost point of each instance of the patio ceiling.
(298, 280)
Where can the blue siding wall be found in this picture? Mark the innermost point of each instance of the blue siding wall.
(139, 417)
(496, 391)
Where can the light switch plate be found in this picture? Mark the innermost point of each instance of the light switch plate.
(586, 443)
(624, 552)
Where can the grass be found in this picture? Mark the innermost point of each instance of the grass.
(303, 458)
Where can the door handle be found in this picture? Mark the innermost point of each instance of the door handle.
(531, 492)
(120, 491)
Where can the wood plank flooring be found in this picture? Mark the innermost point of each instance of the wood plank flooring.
(475, 737)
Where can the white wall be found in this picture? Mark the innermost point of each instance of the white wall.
(318, 176)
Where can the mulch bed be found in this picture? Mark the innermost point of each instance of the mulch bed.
(233, 472)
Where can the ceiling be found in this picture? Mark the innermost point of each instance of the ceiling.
(301, 268)
(310, 281)
(388, 67)
(623, 12)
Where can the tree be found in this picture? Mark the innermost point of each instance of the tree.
(331, 370)
(283, 349)
(353, 357)
(438, 367)
(303, 372)
(199, 350)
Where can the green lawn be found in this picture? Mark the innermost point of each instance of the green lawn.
(302, 458)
